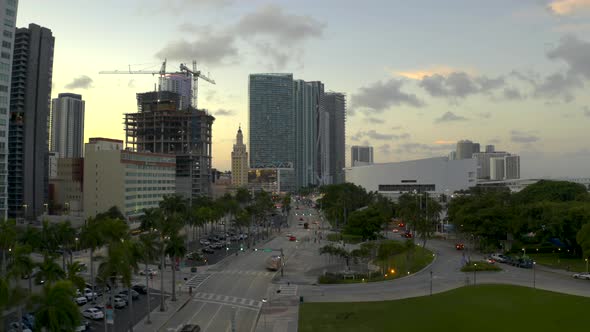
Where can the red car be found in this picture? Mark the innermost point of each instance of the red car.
(459, 246)
(292, 238)
(407, 235)
(401, 224)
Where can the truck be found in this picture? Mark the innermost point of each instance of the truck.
(274, 263)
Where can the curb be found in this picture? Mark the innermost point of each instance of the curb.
(172, 315)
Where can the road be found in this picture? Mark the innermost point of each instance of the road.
(232, 291)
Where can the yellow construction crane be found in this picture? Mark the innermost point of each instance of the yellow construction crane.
(193, 73)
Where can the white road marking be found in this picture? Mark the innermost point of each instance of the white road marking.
(212, 318)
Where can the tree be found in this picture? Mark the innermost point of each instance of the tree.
(74, 277)
(112, 213)
(65, 235)
(49, 271)
(149, 250)
(7, 240)
(175, 249)
(56, 311)
(22, 264)
(243, 196)
(552, 191)
(365, 223)
(583, 239)
(91, 237)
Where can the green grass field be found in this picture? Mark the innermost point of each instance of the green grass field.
(556, 262)
(474, 308)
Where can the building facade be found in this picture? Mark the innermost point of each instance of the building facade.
(512, 167)
(335, 106)
(483, 160)
(497, 168)
(181, 84)
(66, 188)
(239, 162)
(361, 155)
(132, 181)
(67, 125)
(434, 175)
(466, 149)
(160, 126)
(52, 158)
(8, 11)
(32, 70)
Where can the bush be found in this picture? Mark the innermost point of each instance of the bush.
(481, 266)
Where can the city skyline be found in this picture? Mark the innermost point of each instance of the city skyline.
(504, 73)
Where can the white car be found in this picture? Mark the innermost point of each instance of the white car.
(204, 242)
(583, 275)
(89, 294)
(150, 272)
(81, 300)
(93, 313)
(499, 257)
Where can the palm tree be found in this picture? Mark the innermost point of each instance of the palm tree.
(32, 237)
(74, 277)
(22, 264)
(7, 240)
(149, 251)
(65, 235)
(56, 311)
(49, 271)
(175, 248)
(91, 237)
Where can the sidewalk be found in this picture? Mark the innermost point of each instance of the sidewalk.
(159, 318)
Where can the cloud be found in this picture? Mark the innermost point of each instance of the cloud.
(557, 85)
(518, 136)
(223, 112)
(446, 142)
(80, 82)
(385, 149)
(174, 6)
(485, 115)
(211, 47)
(586, 110)
(423, 149)
(421, 73)
(494, 141)
(380, 96)
(373, 120)
(131, 84)
(567, 7)
(450, 117)
(372, 134)
(458, 85)
(396, 127)
(574, 52)
(512, 94)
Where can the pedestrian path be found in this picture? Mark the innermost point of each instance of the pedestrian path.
(227, 300)
(248, 273)
(197, 280)
(288, 290)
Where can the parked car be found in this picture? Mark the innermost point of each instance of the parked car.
(150, 272)
(584, 275)
(119, 303)
(407, 235)
(459, 246)
(93, 313)
(525, 263)
(292, 238)
(89, 294)
(16, 326)
(191, 328)
(125, 293)
(84, 326)
(81, 300)
(141, 289)
(204, 242)
(207, 250)
(395, 230)
(499, 257)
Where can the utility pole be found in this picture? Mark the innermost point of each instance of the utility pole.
(430, 282)
(282, 262)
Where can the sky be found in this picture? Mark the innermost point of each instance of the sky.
(419, 75)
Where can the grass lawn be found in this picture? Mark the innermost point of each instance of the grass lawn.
(551, 260)
(406, 262)
(474, 308)
(348, 239)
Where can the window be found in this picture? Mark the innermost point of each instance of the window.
(5, 55)
(7, 33)
(8, 23)
(10, 12)
(6, 44)
(2, 133)
(3, 88)
(3, 110)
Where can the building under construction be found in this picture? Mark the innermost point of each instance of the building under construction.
(161, 125)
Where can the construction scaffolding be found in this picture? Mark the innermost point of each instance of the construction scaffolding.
(160, 126)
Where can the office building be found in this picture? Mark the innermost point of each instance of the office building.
(308, 107)
(239, 162)
(490, 148)
(272, 124)
(452, 155)
(65, 189)
(335, 106)
(8, 10)
(434, 175)
(511, 167)
(484, 164)
(178, 83)
(67, 125)
(52, 158)
(497, 168)
(160, 126)
(466, 149)
(132, 181)
(32, 70)
(361, 155)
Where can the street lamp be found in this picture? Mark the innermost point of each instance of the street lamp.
(25, 206)
(264, 300)
(586, 265)
(46, 208)
(534, 278)
(523, 252)
(474, 273)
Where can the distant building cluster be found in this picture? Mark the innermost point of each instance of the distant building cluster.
(491, 164)
(361, 155)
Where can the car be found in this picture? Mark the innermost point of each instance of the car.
(407, 235)
(148, 271)
(217, 245)
(583, 275)
(401, 224)
(395, 230)
(125, 294)
(204, 242)
(208, 250)
(141, 289)
(84, 326)
(525, 263)
(292, 238)
(119, 303)
(289, 235)
(89, 294)
(499, 257)
(16, 326)
(81, 300)
(191, 328)
(93, 313)
(300, 219)
(459, 246)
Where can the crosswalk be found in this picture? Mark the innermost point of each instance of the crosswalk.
(288, 290)
(197, 280)
(248, 273)
(227, 300)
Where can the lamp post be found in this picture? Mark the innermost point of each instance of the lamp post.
(264, 300)
(474, 274)
(46, 206)
(430, 282)
(534, 277)
(25, 206)
(586, 265)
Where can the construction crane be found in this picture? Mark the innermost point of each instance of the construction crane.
(194, 74)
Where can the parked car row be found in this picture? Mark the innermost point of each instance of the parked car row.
(523, 262)
(583, 275)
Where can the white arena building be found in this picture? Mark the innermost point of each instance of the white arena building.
(434, 175)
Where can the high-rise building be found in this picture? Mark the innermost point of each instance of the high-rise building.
(32, 70)
(239, 162)
(335, 106)
(272, 124)
(308, 107)
(160, 126)
(181, 84)
(484, 163)
(67, 125)
(497, 169)
(452, 155)
(8, 10)
(65, 189)
(466, 149)
(361, 155)
(52, 158)
(490, 148)
(511, 167)
(131, 181)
